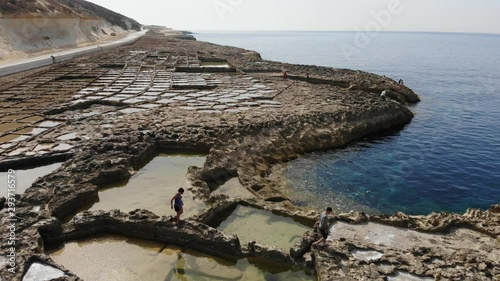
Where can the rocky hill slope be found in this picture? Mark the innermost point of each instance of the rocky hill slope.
(75, 8)
(33, 26)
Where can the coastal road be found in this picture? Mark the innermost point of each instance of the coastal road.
(45, 60)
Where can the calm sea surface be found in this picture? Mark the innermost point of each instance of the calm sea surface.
(447, 159)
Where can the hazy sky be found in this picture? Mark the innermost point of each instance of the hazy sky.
(404, 15)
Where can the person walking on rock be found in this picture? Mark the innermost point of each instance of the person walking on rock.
(177, 204)
(383, 96)
(324, 227)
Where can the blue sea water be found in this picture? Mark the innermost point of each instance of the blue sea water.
(446, 159)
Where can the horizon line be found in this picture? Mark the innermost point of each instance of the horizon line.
(325, 30)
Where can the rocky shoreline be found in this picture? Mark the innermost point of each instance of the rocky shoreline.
(113, 112)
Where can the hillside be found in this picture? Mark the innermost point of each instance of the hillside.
(77, 8)
(32, 27)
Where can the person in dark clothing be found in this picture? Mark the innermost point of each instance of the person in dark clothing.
(177, 204)
(401, 84)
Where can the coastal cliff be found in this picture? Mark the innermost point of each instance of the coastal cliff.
(106, 115)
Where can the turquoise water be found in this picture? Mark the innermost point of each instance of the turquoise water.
(447, 159)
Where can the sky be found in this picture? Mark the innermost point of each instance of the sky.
(477, 16)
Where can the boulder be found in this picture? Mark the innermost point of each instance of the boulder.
(303, 245)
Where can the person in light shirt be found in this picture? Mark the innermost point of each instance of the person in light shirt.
(324, 227)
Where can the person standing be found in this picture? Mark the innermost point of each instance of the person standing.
(401, 84)
(383, 96)
(177, 204)
(324, 227)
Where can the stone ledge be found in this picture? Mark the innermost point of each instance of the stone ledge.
(146, 225)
